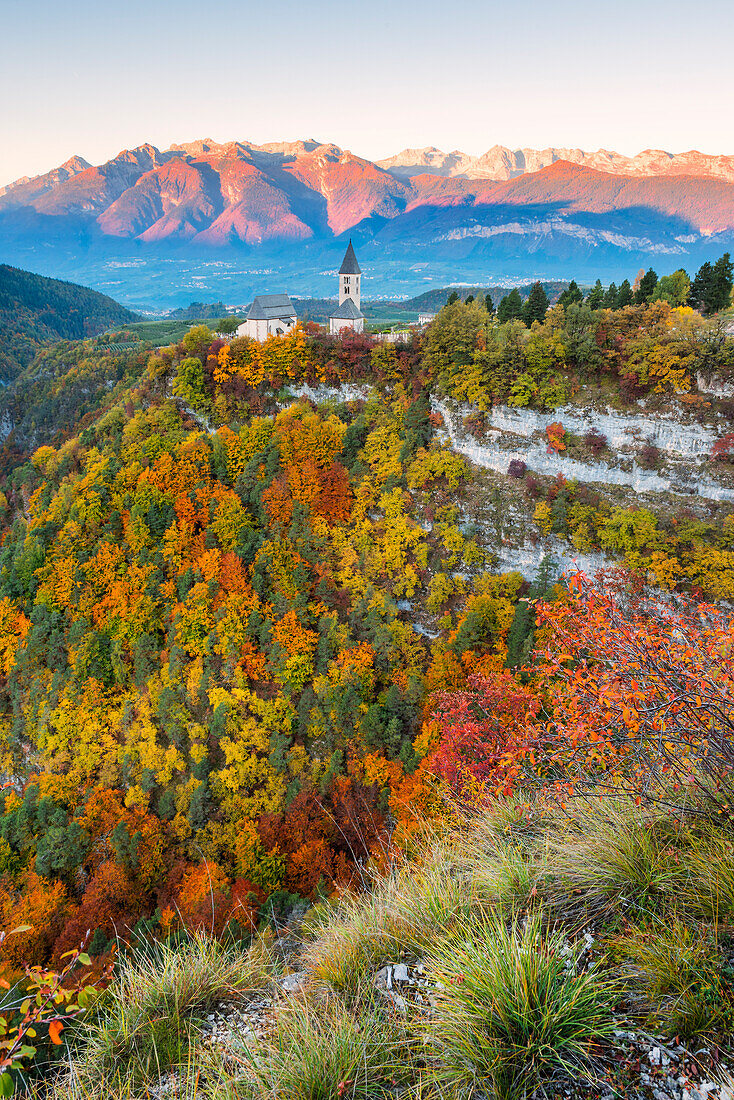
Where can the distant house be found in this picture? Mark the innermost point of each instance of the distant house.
(348, 314)
(425, 318)
(269, 315)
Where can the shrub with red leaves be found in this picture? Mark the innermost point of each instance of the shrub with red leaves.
(487, 730)
(723, 449)
(595, 441)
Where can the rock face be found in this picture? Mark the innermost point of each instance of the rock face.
(518, 434)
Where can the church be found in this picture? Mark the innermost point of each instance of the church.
(348, 314)
(275, 315)
(269, 315)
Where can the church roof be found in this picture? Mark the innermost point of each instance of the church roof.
(349, 263)
(271, 307)
(347, 311)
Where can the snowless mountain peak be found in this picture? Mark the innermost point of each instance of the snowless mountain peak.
(217, 194)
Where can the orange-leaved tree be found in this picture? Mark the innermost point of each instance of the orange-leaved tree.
(640, 690)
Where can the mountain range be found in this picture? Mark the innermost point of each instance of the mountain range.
(555, 212)
(501, 163)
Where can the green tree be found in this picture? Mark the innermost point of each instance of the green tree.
(489, 304)
(61, 849)
(197, 340)
(646, 287)
(610, 298)
(453, 297)
(510, 308)
(536, 306)
(624, 296)
(571, 296)
(722, 283)
(712, 287)
(189, 383)
(702, 287)
(673, 289)
(595, 297)
(416, 427)
(520, 635)
(450, 343)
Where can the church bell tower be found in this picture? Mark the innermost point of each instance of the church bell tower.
(350, 278)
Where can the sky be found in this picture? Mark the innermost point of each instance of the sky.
(91, 77)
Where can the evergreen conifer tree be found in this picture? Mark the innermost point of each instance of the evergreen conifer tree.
(624, 295)
(536, 305)
(510, 308)
(722, 283)
(701, 287)
(610, 298)
(546, 577)
(646, 287)
(521, 629)
(571, 296)
(416, 426)
(712, 287)
(595, 297)
(489, 304)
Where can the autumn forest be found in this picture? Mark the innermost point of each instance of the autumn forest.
(257, 633)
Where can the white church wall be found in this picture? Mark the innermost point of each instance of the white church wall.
(261, 328)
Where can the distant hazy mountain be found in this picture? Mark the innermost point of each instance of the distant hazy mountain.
(554, 212)
(217, 194)
(501, 163)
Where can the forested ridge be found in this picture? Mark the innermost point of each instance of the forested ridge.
(35, 310)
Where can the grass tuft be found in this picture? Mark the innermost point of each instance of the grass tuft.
(331, 1054)
(708, 889)
(403, 915)
(513, 1009)
(614, 856)
(676, 973)
(145, 1025)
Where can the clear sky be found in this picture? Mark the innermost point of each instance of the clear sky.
(93, 77)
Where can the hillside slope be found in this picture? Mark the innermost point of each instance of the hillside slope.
(35, 310)
(578, 955)
(252, 604)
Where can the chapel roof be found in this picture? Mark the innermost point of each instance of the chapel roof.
(271, 307)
